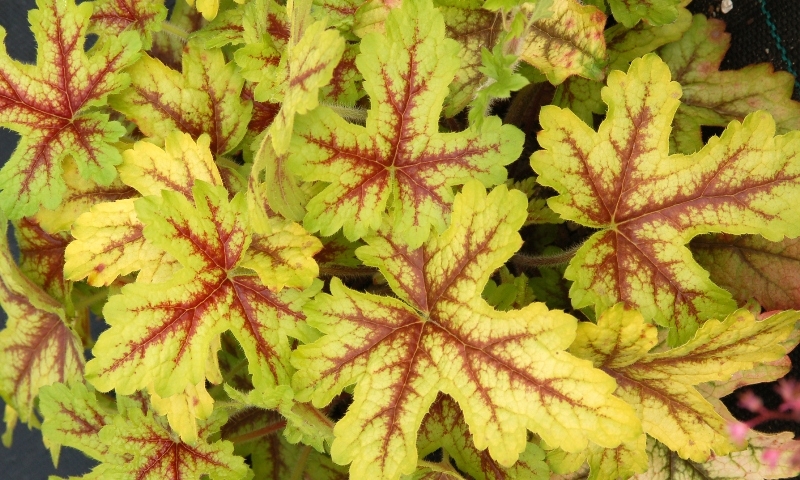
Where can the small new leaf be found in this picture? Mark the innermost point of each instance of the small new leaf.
(648, 204)
(49, 104)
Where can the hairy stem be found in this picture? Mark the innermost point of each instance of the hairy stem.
(174, 30)
(343, 271)
(261, 432)
(524, 260)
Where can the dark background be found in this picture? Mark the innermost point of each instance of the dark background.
(753, 41)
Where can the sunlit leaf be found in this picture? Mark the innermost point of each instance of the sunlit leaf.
(49, 105)
(162, 334)
(660, 386)
(713, 97)
(648, 204)
(623, 45)
(112, 17)
(569, 42)
(204, 98)
(507, 370)
(109, 240)
(399, 155)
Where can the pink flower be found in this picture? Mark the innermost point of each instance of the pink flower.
(771, 457)
(738, 431)
(751, 401)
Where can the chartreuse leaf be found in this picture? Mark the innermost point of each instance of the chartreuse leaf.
(184, 408)
(569, 42)
(133, 443)
(74, 417)
(623, 45)
(208, 8)
(747, 464)
(109, 240)
(399, 158)
(205, 98)
(80, 196)
(621, 462)
(749, 266)
(444, 427)
(49, 105)
(507, 370)
(164, 336)
(38, 346)
(655, 12)
(660, 386)
(648, 204)
(309, 67)
(712, 97)
(112, 17)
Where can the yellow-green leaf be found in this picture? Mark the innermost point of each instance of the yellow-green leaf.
(508, 371)
(648, 204)
(569, 42)
(660, 386)
(399, 157)
(38, 346)
(50, 105)
(204, 98)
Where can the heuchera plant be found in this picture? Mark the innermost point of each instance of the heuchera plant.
(297, 224)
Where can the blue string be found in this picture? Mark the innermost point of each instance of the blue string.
(773, 30)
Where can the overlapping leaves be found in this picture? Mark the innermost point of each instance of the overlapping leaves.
(649, 204)
(164, 334)
(399, 157)
(507, 370)
(38, 345)
(660, 385)
(131, 442)
(51, 104)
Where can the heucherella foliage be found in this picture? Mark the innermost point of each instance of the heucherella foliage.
(649, 204)
(311, 231)
(399, 159)
(51, 105)
(441, 335)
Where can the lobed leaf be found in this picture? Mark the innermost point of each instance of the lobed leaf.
(109, 240)
(165, 334)
(49, 104)
(569, 42)
(38, 346)
(112, 17)
(204, 98)
(749, 266)
(713, 97)
(507, 370)
(399, 155)
(648, 204)
(660, 386)
(41, 257)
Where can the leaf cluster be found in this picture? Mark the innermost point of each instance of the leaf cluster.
(313, 233)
